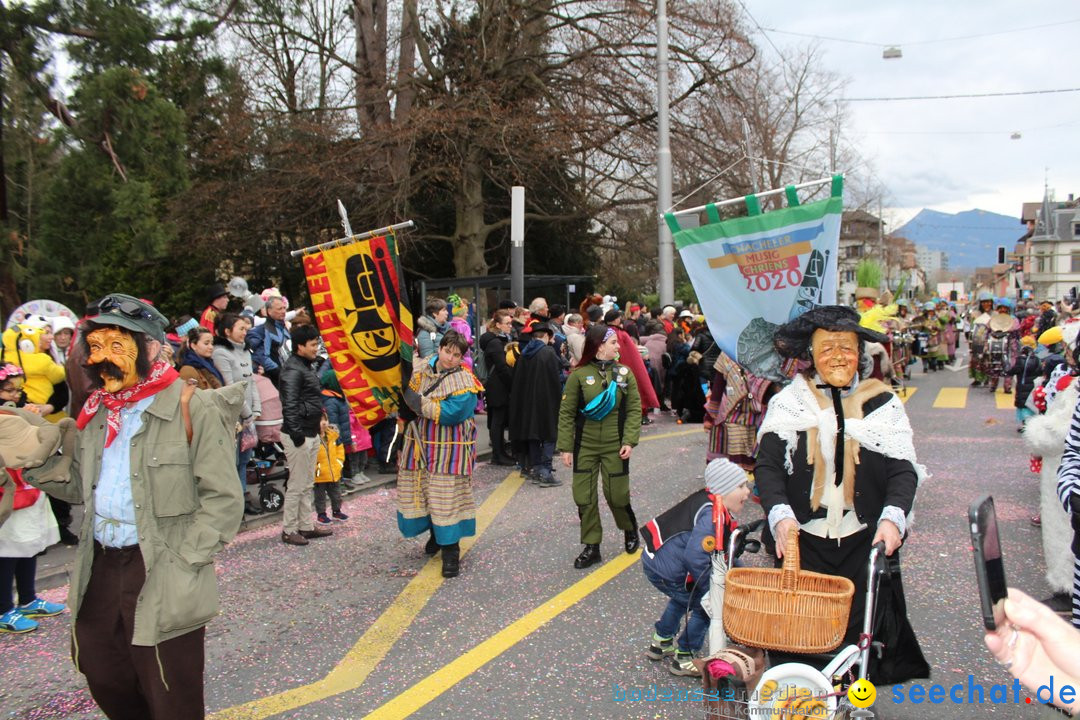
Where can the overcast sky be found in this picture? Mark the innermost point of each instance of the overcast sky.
(951, 155)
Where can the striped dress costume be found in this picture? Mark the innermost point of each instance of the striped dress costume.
(1068, 490)
(733, 412)
(436, 461)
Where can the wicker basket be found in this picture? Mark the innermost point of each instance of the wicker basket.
(787, 609)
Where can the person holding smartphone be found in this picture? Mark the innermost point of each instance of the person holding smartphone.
(1037, 647)
(836, 464)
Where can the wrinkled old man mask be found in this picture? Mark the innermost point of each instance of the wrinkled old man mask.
(836, 356)
(116, 352)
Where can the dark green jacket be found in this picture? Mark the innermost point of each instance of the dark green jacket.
(584, 384)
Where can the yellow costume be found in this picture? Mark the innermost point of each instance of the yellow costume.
(872, 315)
(22, 347)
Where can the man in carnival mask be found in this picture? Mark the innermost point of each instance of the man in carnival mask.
(154, 463)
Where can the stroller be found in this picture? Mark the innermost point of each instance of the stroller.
(266, 470)
(823, 678)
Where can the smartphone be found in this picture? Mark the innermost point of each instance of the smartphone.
(989, 569)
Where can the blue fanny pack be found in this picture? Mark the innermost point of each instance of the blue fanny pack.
(599, 407)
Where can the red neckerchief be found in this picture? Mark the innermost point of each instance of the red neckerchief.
(161, 376)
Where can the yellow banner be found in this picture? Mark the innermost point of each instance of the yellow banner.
(366, 326)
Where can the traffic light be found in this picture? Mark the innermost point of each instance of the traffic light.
(1001, 255)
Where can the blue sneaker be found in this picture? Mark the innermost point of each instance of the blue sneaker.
(40, 608)
(322, 519)
(13, 622)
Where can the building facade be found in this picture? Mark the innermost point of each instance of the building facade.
(860, 237)
(1053, 251)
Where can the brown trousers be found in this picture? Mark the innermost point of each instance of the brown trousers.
(128, 682)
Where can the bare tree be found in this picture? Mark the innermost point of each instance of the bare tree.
(468, 98)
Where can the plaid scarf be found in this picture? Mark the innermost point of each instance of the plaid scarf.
(161, 376)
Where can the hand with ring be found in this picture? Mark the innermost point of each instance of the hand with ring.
(1035, 645)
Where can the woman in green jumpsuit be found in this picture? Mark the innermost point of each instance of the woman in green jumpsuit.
(598, 426)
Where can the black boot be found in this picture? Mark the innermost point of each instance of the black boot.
(431, 547)
(589, 556)
(451, 556)
(499, 456)
(630, 537)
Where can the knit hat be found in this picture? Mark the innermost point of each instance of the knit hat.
(723, 476)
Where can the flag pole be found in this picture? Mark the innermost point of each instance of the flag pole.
(763, 194)
(356, 237)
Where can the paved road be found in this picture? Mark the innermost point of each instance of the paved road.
(361, 623)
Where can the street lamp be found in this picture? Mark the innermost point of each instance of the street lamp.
(666, 259)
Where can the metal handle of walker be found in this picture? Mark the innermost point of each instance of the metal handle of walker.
(733, 542)
(876, 568)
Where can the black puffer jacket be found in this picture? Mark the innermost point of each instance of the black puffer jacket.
(301, 398)
(704, 344)
(500, 375)
(1026, 370)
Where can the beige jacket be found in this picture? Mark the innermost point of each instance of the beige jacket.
(187, 505)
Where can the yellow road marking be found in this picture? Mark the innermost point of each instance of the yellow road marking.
(366, 654)
(1004, 402)
(953, 398)
(371, 648)
(447, 676)
(907, 393)
(677, 433)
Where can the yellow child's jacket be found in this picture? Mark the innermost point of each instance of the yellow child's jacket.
(41, 371)
(331, 458)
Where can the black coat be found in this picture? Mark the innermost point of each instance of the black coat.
(500, 375)
(879, 480)
(535, 397)
(301, 398)
(709, 350)
(1026, 370)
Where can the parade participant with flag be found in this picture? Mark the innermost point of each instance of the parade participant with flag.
(437, 459)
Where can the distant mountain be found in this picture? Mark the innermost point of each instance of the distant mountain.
(970, 238)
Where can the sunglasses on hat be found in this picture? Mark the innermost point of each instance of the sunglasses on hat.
(110, 305)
